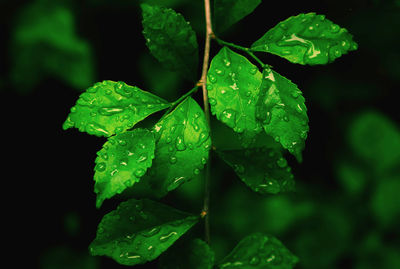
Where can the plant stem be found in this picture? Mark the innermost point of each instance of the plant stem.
(180, 99)
(247, 50)
(203, 82)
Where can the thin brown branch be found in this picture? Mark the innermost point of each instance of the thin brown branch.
(203, 81)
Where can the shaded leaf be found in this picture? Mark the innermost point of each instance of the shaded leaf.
(44, 43)
(229, 12)
(170, 39)
(282, 112)
(138, 231)
(111, 107)
(193, 254)
(233, 84)
(306, 39)
(182, 147)
(122, 161)
(264, 170)
(259, 251)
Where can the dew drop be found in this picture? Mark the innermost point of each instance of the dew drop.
(139, 172)
(180, 144)
(211, 78)
(220, 72)
(334, 28)
(229, 117)
(239, 169)
(122, 142)
(281, 162)
(109, 111)
(204, 160)
(209, 87)
(172, 159)
(196, 171)
(165, 238)
(295, 94)
(253, 70)
(286, 118)
(226, 62)
(100, 167)
(212, 101)
(254, 261)
(142, 158)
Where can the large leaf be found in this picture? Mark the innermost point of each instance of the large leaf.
(182, 147)
(111, 107)
(264, 170)
(282, 112)
(233, 89)
(229, 12)
(306, 39)
(259, 251)
(138, 231)
(170, 39)
(193, 254)
(123, 160)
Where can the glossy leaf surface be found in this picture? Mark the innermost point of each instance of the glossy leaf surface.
(170, 39)
(193, 254)
(229, 12)
(264, 170)
(182, 147)
(282, 112)
(233, 84)
(138, 231)
(122, 161)
(306, 39)
(111, 107)
(259, 251)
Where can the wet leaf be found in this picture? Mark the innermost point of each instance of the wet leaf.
(282, 112)
(111, 107)
(306, 39)
(193, 254)
(233, 84)
(259, 251)
(264, 170)
(122, 161)
(229, 12)
(170, 39)
(138, 231)
(182, 147)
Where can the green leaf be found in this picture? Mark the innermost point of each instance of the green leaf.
(306, 39)
(170, 39)
(138, 231)
(233, 84)
(193, 254)
(44, 44)
(247, 101)
(182, 147)
(229, 12)
(111, 107)
(259, 251)
(264, 170)
(282, 112)
(122, 161)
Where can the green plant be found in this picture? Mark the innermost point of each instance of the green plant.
(256, 105)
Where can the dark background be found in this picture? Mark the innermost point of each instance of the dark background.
(328, 222)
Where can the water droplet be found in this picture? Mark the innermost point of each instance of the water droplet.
(100, 167)
(139, 172)
(220, 72)
(168, 140)
(203, 160)
(253, 70)
(165, 238)
(226, 62)
(212, 101)
(124, 162)
(285, 118)
(211, 78)
(122, 142)
(268, 118)
(196, 171)
(172, 159)
(73, 109)
(108, 91)
(142, 158)
(295, 94)
(209, 87)
(131, 256)
(335, 28)
(180, 144)
(283, 26)
(337, 53)
(109, 111)
(277, 138)
(254, 261)
(229, 117)
(311, 28)
(239, 169)
(281, 162)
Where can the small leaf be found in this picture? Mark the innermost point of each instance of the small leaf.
(306, 39)
(123, 160)
(282, 112)
(193, 254)
(229, 12)
(182, 147)
(264, 170)
(170, 39)
(112, 107)
(138, 231)
(259, 251)
(233, 87)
